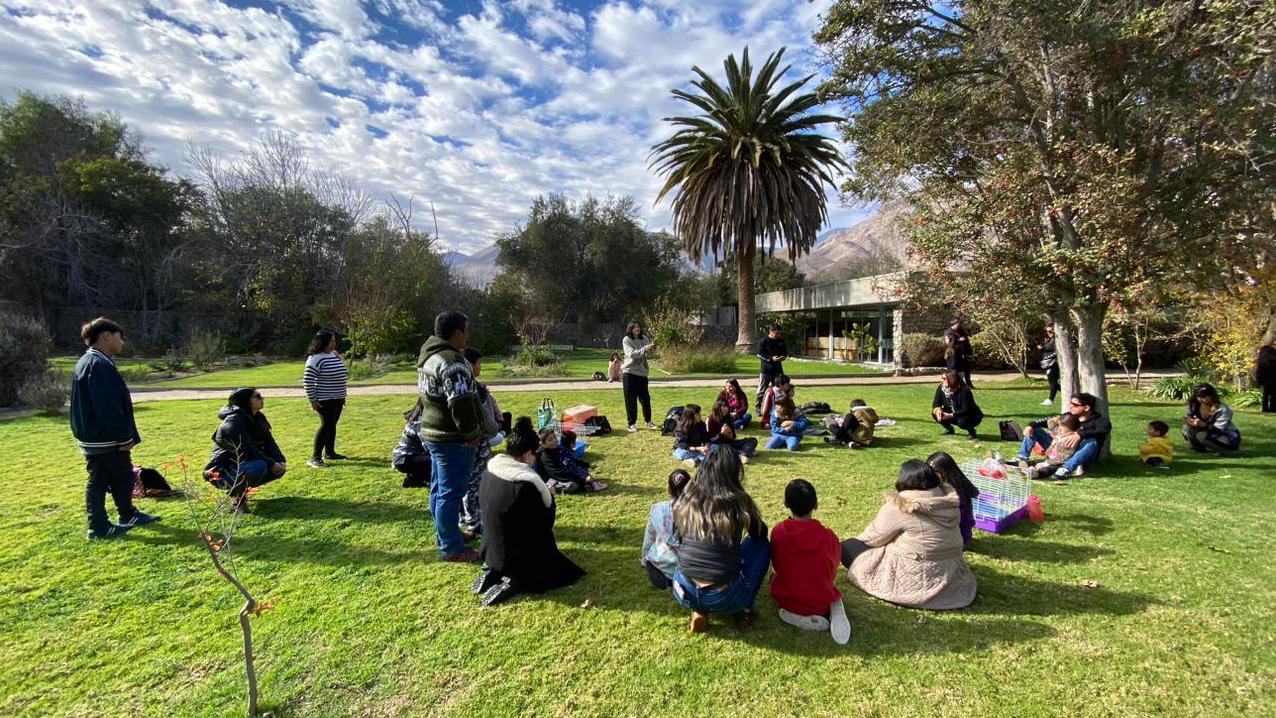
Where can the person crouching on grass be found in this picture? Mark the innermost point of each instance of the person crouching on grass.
(805, 557)
(245, 454)
(102, 424)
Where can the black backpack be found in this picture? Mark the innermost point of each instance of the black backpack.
(671, 420)
(1010, 430)
(603, 427)
(599, 376)
(815, 407)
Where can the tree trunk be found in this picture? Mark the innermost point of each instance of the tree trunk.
(1066, 355)
(744, 296)
(1090, 366)
(1269, 336)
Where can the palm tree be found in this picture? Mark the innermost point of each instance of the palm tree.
(750, 171)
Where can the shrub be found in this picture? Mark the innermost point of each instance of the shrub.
(699, 359)
(922, 350)
(533, 360)
(205, 348)
(24, 353)
(48, 390)
(171, 363)
(1175, 388)
(368, 367)
(1248, 399)
(988, 351)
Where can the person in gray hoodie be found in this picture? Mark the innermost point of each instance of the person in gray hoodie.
(451, 424)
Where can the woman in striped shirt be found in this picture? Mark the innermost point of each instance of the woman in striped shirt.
(325, 383)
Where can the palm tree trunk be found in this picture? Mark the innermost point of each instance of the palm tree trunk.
(744, 296)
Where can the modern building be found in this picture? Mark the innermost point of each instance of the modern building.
(856, 320)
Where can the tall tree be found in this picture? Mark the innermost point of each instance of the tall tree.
(1071, 154)
(749, 172)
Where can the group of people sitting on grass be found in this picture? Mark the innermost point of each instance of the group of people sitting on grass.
(709, 545)
(695, 434)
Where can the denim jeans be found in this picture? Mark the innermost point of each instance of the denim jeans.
(452, 464)
(780, 441)
(743, 422)
(737, 596)
(684, 454)
(1087, 454)
(113, 472)
(249, 473)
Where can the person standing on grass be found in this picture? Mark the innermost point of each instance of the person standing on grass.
(1050, 362)
(325, 383)
(451, 424)
(633, 379)
(1265, 376)
(958, 354)
(771, 352)
(103, 426)
(471, 513)
(723, 552)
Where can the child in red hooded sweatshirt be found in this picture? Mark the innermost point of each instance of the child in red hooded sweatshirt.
(805, 557)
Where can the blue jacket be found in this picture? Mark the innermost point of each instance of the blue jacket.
(800, 423)
(101, 407)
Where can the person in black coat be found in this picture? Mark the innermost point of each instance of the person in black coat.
(519, 552)
(955, 404)
(958, 354)
(245, 453)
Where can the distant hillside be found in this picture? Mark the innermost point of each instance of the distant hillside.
(479, 268)
(840, 249)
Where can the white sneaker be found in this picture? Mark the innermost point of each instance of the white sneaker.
(633, 429)
(839, 624)
(806, 623)
(689, 463)
(652, 426)
(1047, 402)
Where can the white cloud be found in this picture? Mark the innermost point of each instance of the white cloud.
(479, 113)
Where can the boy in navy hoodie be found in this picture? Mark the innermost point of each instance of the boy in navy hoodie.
(103, 426)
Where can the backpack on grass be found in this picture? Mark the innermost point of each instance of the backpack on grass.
(815, 407)
(1010, 430)
(602, 426)
(671, 420)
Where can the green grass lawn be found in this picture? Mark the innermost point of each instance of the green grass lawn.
(1178, 620)
(580, 364)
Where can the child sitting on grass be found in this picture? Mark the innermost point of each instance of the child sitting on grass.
(613, 368)
(690, 437)
(804, 560)
(1059, 426)
(1159, 450)
(722, 432)
(410, 456)
(660, 543)
(560, 469)
(951, 474)
(787, 426)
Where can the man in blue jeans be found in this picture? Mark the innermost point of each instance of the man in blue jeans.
(450, 427)
(1088, 440)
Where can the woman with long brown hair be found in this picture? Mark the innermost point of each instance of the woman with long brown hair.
(724, 553)
(954, 404)
(633, 377)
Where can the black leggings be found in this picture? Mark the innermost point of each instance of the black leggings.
(964, 422)
(1269, 398)
(635, 388)
(1052, 377)
(326, 437)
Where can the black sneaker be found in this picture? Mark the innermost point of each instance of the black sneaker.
(337, 457)
(140, 519)
(744, 619)
(500, 593)
(316, 464)
(114, 531)
(485, 580)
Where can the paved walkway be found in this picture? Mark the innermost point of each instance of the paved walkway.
(583, 385)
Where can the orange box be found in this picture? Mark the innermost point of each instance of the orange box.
(576, 415)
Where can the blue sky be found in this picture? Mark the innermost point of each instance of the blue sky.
(475, 105)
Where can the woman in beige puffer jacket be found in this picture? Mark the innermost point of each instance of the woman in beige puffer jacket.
(911, 554)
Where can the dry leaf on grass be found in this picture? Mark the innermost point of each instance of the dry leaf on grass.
(589, 603)
(1090, 584)
(921, 620)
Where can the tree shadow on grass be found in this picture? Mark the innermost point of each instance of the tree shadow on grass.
(1093, 525)
(316, 551)
(318, 509)
(1006, 594)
